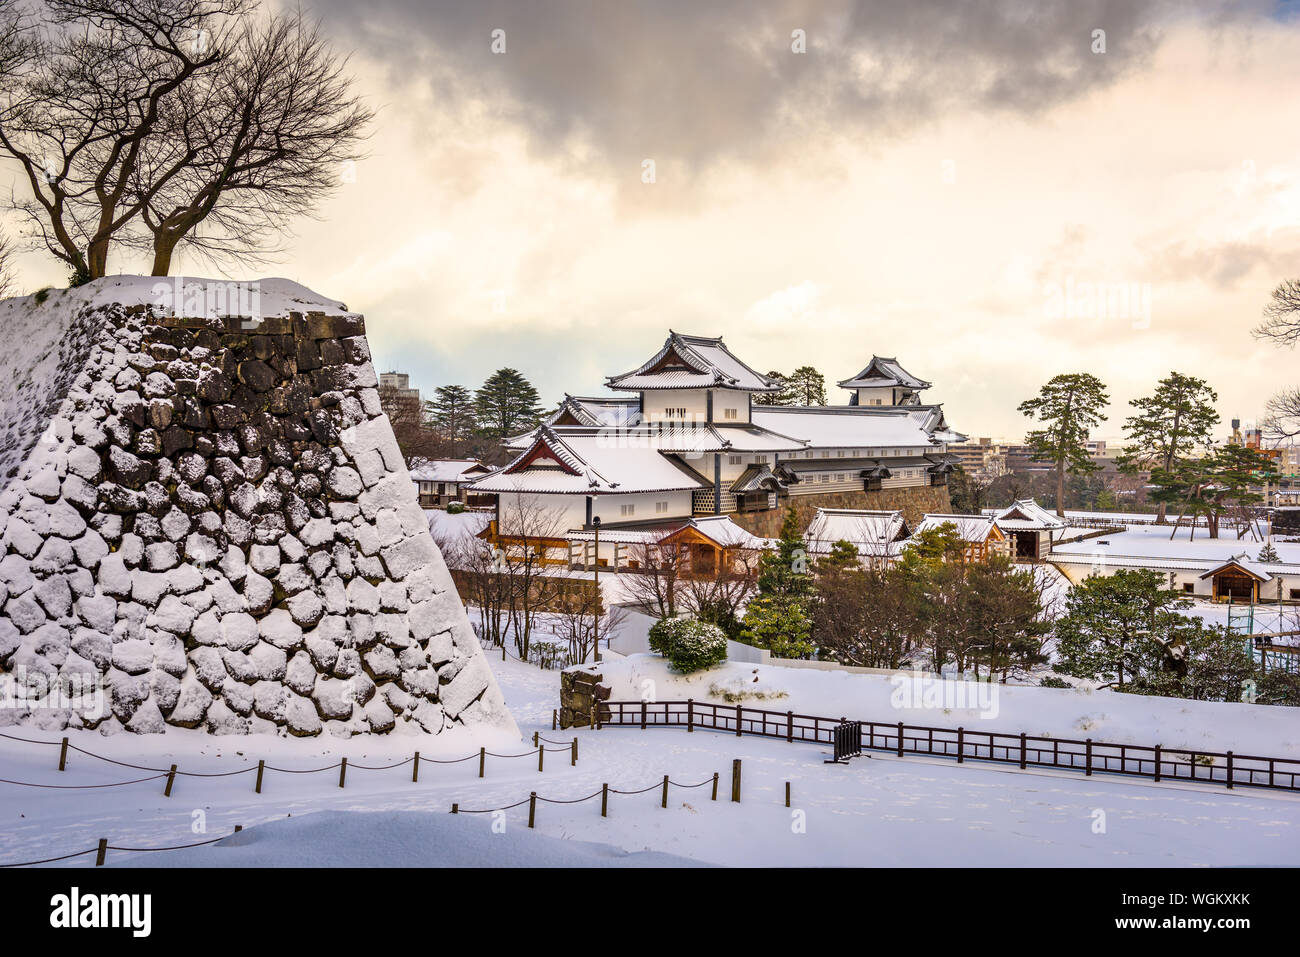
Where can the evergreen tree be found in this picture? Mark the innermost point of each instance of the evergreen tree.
(1178, 418)
(783, 396)
(452, 411)
(506, 404)
(1211, 486)
(778, 616)
(1069, 406)
(1268, 553)
(807, 386)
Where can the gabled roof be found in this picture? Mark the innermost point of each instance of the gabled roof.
(883, 372)
(972, 528)
(849, 426)
(873, 532)
(757, 478)
(448, 470)
(1243, 564)
(675, 437)
(693, 362)
(581, 463)
(598, 411)
(1025, 513)
(721, 530)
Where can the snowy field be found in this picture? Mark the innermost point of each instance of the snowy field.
(879, 810)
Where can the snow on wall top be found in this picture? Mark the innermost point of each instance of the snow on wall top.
(209, 524)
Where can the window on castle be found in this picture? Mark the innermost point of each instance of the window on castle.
(678, 413)
(661, 507)
(730, 414)
(735, 459)
(627, 510)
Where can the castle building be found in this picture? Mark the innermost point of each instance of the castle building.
(683, 439)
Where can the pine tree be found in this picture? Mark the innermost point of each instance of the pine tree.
(452, 411)
(1069, 405)
(778, 616)
(808, 386)
(783, 396)
(1268, 553)
(1178, 418)
(506, 404)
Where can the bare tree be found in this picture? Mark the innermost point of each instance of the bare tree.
(1282, 315)
(527, 534)
(81, 93)
(256, 142)
(8, 282)
(1281, 422)
(575, 622)
(655, 584)
(480, 570)
(718, 596)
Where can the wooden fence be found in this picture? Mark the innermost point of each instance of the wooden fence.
(1156, 762)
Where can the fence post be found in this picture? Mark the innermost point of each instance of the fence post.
(261, 767)
(553, 714)
(482, 760)
(690, 714)
(735, 781)
(900, 739)
(961, 736)
(535, 739)
(63, 755)
(1023, 755)
(532, 807)
(663, 802)
(1087, 757)
(715, 786)
(101, 851)
(455, 807)
(643, 715)
(541, 755)
(171, 779)
(789, 726)
(415, 768)
(573, 757)
(740, 717)
(787, 793)
(1157, 774)
(604, 800)
(1230, 769)
(343, 771)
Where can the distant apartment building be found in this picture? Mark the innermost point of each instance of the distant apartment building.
(399, 400)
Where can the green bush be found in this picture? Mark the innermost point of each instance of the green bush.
(455, 508)
(688, 644)
(1051, 681)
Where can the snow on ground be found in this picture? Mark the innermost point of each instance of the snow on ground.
(877, 811)
(1077, 713)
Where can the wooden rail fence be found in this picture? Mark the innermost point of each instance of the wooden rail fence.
(1157, 762)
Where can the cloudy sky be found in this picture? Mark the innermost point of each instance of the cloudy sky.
(945, 182)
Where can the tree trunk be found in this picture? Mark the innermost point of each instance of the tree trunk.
(163, 248)
(1060, 489)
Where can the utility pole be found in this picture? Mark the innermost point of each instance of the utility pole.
(595, 623)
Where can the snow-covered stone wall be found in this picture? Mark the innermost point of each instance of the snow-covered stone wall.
(211, 526)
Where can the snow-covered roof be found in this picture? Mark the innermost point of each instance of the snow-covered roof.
(756, 478)
(693, 362)
(884, 372)
(872, 531)
(721, 529)
(972, 528)
(448, 470)
(582, 463)
(597, 411)
(1149, 546)
(1026, 514)
(847, 426)
(1253, 569)
(675, 437)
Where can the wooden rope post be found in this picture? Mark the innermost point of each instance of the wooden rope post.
(482, 760)
(900, 739)
(715, 786)
(1087, 757)
(961, 736)
(787, 793)
(101, 851)
(789, 726)
(238, 828)
(553, 718)
(541, 755)
(1023, 755)
(604, 800)
(415, 768)
(1157, 771)
(171, 779)
(740, 718)
(1229, 769)
(532, 808)
(663, 802)
(455, 807)
(343, 771)
(643, 715)
(535, 738)
(690, 714)
(573, 756)
(261, 769)
(735, 781)
(63, 755)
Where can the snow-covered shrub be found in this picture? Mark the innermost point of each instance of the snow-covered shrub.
(455, 508)
(688, 644)
(550, 655)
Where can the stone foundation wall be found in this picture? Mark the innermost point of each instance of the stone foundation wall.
(218, 531)
(914, 502)
(580, 692)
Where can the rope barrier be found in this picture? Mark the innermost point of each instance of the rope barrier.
(51, 860)
(79, 787)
